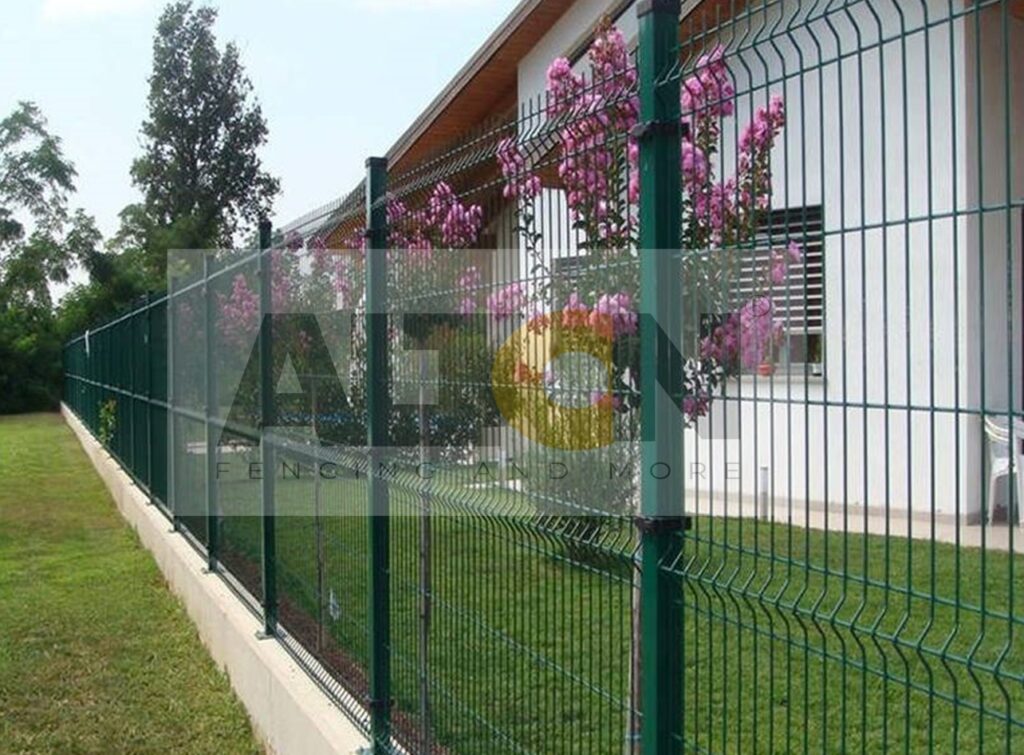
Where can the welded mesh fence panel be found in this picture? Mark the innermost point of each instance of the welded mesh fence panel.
(854, 184)
(843, 380)
(233, 295)
(512, 544)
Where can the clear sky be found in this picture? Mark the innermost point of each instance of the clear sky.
(338, 80)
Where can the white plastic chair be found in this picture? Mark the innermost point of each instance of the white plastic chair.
(1000, 442)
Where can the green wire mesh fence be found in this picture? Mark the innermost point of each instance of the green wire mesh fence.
(674, 409)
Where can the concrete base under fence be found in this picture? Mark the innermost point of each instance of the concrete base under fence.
(289, 712)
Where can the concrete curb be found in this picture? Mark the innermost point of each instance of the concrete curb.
(289, 712)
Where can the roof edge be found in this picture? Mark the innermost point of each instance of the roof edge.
(465, 74)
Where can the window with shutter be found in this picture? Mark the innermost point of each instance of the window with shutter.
(799, 303)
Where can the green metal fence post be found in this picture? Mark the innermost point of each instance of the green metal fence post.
(212, 443)
(172, 503)
(267, 421)
(661, 455)
(378, 405)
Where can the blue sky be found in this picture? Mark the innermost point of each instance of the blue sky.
(338, 80)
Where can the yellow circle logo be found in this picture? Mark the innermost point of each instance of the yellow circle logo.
(519, 385)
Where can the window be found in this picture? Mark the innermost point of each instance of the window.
(800, 302)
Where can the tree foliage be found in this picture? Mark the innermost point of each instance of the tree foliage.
(200, 173)
(35, 181)
(40, 242)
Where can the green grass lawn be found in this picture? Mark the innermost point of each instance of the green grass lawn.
(794, 639)
(95, 654)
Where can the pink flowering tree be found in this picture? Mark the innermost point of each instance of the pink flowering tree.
(597, 161)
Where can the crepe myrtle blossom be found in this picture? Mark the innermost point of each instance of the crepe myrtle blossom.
(709, 90)
(563, 86)
(467, 282)
(610, 60)
(407, 231)
(459, 225)
(754, 161)
(780, 261)
(597, 165)
(519, 181)
(619, 308)
(507, 301)
(763, 129)
(726, 210)
(747, 337)
(599, 159)
(597, 152)
(633, 157)
(322, 258)
(469, 277)
(240, 310)
(694, 164)
(282, 277)
(239, 313)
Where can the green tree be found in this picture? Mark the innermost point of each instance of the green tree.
(35, 181)
(40, 242)
(116, 282)
(200, 172)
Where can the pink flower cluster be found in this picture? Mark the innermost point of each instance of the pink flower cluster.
(723, 207)
(747, 337)
(596, 151)
(469, 278)
(239, 313)
(760, 133)
(609, 60)
(619, 309)
(281, 278)
(407, 230)
(781, 259)
(564, 86)
(612, 316)
(754, 163)
(709, 91)
(705, 97)
(519, 181)
(576, 314)
(695, 166)
(458, 224)
(507, 301)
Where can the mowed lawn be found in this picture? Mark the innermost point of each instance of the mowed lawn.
(96, 655)
(794, 640)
